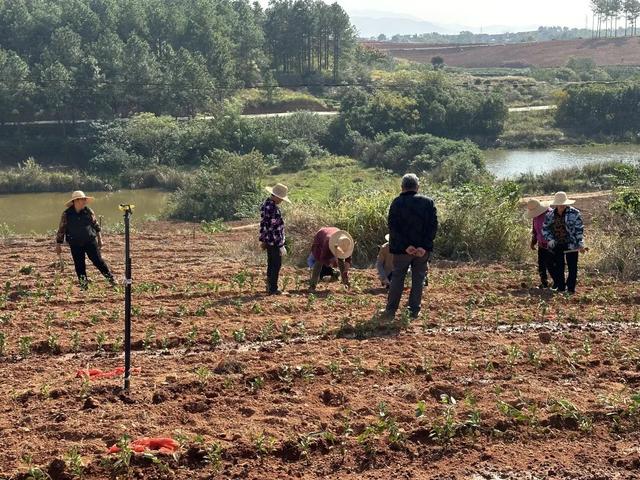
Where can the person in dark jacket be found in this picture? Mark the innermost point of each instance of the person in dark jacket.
(413, 223)
(81, 229)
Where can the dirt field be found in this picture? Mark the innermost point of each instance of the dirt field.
(497, 380)
(610, 51)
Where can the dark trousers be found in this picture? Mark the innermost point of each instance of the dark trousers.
(274, 263)
(560, 259)
(545, 264)
(92, 251)
(319, 271)
(401, 264)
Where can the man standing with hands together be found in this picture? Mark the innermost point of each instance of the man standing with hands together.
(413, 223)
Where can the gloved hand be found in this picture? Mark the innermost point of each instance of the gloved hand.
(283, 251)
(551, 244)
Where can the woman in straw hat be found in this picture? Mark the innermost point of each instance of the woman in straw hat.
(272, 234)
(536, 212)
(563, 230)
(333, 248)
(82, 231)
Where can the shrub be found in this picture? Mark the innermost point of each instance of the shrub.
(295, 156)
(31, 177)
(224, 187)
(481, 223)
(476, 223)
(615, 240)
(401, 152)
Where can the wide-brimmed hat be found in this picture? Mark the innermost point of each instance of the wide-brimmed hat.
(77, 195)
(535, 208)
(341, 244)
(279, 190)
(561, 198)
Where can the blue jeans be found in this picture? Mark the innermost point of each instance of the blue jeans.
(401, 264)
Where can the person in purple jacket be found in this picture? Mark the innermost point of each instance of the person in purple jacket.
(272, 236)
(536, 212)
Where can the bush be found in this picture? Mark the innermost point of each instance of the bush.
(614, 244)
(295, 156)
(113, 160)
(481, 223)
(31, 177)
(226, 186)
(401, 153)
(476, 223)
(429, 104)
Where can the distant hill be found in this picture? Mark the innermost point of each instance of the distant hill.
(371, 23)
(369, 26)
(609, 51)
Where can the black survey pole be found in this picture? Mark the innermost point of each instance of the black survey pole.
(128, 211)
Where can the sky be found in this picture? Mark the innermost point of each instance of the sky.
(475, 13)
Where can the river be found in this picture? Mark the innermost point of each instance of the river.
(39, 213)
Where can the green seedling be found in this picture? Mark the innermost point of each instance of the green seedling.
(24, 346)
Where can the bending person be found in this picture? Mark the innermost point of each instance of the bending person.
(331, 248)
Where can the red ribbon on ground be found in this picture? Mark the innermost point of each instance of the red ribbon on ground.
(160, 444)
(95, 373)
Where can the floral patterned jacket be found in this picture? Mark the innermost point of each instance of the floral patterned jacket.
(573, 224)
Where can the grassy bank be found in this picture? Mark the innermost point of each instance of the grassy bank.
(590, 178)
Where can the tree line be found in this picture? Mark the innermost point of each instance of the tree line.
(69, 59)
(607, 13)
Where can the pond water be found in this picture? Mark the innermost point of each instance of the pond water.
(511, 163)
(39, 213)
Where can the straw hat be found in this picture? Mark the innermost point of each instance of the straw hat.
(77, 195)
(280, 191)
(341, 244)
(535, 208)
(561, 198)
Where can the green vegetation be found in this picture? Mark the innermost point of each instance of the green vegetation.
(274, 100)
(226, 186)
(466, 232)
(428, 104)
(601, 176)
(31, 177)
(449, 161)
(77, 59)
(534, 129)
(600, 109)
